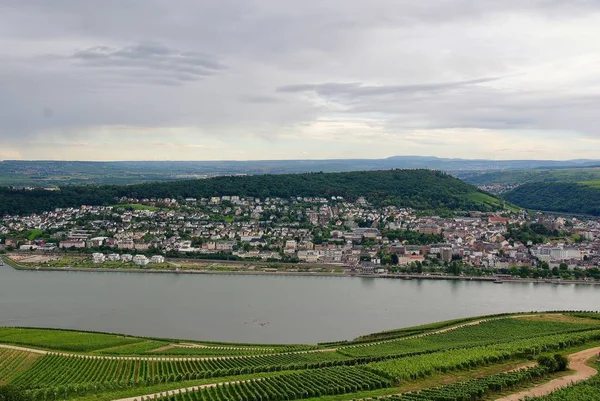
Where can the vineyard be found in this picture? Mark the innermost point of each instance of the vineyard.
(586, 315)
(489, 332)
(314, 383)
(56, 370)
(13, 362)
(586, 391)
(157, 348)
(401, 333)
(63, 340)
(139, 348)
(415, 367)
(112, 344)
(210, 352)
(476, 388)
(89, 366)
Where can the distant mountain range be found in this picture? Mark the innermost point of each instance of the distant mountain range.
(41, 173)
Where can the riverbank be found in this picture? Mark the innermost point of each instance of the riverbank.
(492, 279)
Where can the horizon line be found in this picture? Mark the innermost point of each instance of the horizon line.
(299, 160)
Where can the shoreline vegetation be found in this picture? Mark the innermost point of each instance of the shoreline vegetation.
(335, 272)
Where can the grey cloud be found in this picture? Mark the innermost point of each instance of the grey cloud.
(360, 90)
(260, 99)
(173, 65)
(487, 108)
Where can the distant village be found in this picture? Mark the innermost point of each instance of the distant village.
(356, 235)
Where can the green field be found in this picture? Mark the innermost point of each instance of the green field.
(593, 184)
(465, 356)
(137, 206)
(488, 201)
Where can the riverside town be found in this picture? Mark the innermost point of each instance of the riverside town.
(310, 235)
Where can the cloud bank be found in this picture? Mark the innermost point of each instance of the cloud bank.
(257, 79)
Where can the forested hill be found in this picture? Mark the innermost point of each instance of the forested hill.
(558, 197)
(420, 189)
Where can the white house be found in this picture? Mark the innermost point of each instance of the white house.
(140, 260)
(157, 259)
(98, 257)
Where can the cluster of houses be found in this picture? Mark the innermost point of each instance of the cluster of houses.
(138, 260)
(314, 230)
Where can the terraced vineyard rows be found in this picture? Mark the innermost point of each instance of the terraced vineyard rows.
(488, 332)
(133, 349)
(113, 344)
(157, 348)
(313, 383)
(12, 362)
(475, 388)
(63, 340)
(399, 333)
(363, 366)
(586, 315)
(425, 365)
(58, 370)
(212, 352)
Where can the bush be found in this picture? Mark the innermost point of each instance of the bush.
(12, 393)
(556, 363)
(562, 362)
(548, 362)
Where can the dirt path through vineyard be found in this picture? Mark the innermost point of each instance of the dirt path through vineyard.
(183, 390)
(577, 362)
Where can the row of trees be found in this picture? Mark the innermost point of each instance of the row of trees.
(457, 267)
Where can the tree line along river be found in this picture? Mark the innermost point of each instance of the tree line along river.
(261, 309)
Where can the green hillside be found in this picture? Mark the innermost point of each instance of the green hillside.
(558, 197)
(519, 176)
(419, 189)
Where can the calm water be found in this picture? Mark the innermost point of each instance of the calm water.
(266, 309)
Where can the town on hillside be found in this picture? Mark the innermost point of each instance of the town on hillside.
(321, 234)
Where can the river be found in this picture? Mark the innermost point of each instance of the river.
(261, 309)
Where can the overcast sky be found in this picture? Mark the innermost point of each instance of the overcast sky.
(310, 79)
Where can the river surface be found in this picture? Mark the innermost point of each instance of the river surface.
(261, 309)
